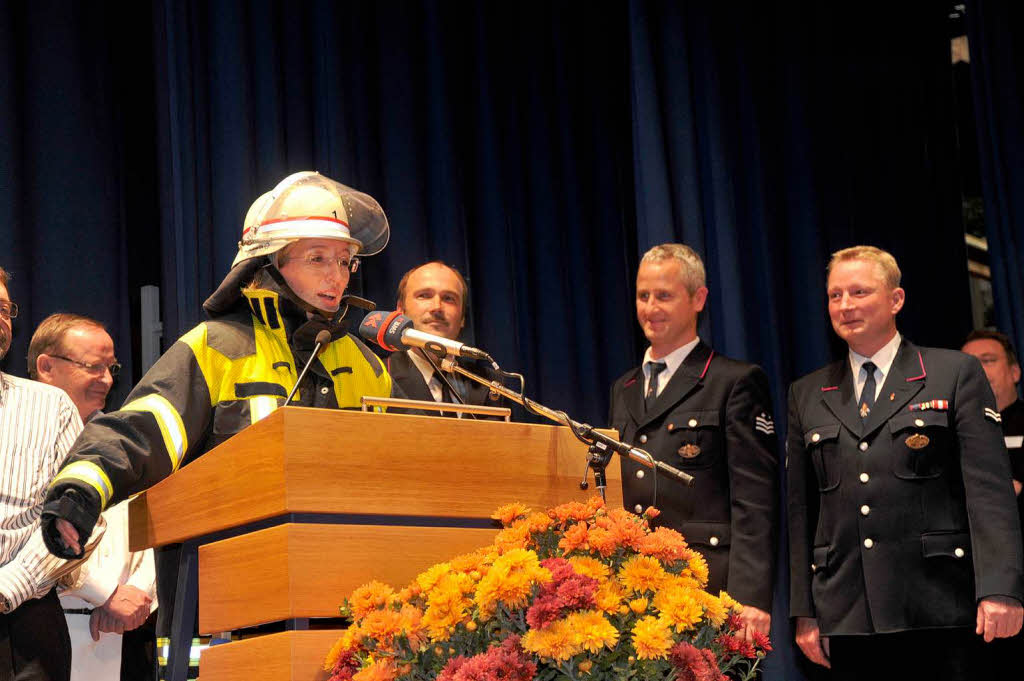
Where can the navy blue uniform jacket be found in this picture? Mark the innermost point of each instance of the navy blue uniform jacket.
(906, 519)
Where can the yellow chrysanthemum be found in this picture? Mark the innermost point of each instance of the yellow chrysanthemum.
(714, 610)
(643, 573)
(609, 596)
(638, 605)
(428, 580)
(554, 642)
(729, 603)
(680, 606)
(510, 580)
(696, 567)
(339, 647)
(369, 597)
(447, 605)
(651, 638)
(590, 567)
(592, 631)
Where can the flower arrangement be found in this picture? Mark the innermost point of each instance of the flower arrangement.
(578, 592)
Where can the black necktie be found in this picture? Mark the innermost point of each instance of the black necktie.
(446, 393)
(652, 385)
(867, 395)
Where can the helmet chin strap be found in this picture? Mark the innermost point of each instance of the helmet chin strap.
(275, 274)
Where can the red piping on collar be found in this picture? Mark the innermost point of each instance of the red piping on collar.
(826, 388)
(629, 382)
(923, 372)
(707, 364)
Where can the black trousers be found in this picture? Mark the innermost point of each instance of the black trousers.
(933, 654)
(34, 642)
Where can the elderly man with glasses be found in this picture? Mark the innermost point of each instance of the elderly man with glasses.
(109, 598)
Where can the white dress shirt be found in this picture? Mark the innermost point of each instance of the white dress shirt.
(883, 360)
(672, 360)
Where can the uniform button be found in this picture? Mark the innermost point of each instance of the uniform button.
(865, 509)
(640, 474)
(638, 508)
(814, 568)
(324, 390)
(670, 426)
(643, 439)
(918, 422)
(693, 423)
(815, 437)
(713, 541)
(868, 543)
(864, 477)
(863, 446)
(958, 552)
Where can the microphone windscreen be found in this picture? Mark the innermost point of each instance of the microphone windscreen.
(385, 329)
(323, 338)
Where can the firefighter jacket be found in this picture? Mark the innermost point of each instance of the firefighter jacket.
(219, 378)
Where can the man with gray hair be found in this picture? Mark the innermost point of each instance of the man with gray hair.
(710, 416)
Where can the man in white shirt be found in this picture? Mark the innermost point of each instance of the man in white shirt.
(112, 593)
(38, 424)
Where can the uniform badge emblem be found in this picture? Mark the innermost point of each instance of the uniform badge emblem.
(689, 451)
(864, 409)
(918, 441)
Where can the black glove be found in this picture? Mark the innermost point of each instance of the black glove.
(77, 508)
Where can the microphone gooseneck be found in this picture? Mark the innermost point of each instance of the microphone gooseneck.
(322, 339)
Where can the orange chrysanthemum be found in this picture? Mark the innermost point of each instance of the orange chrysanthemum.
(609, 596)
(664, 544)
(651, 638)
(574, 537)
(428, 580)
(603, 541)
(369, 597)
(639, 605)
(509, 513)
(572, 510)
(380, 670)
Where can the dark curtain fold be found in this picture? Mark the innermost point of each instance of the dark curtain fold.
(997, 83)
(76, 222)
(769, 136)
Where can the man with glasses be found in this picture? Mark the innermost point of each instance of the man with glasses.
(38, 424)
(113, 591)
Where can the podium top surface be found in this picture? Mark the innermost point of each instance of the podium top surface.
(301, 460)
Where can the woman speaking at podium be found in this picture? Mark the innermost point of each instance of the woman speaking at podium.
(283, 292)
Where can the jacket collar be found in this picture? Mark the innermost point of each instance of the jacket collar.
(686, 379)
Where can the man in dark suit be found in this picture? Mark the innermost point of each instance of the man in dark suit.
(903, 529)
(710, 416)
(434, 297)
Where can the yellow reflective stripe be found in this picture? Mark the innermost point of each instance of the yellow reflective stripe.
(90, 474)
(169, 421)
(261, 406)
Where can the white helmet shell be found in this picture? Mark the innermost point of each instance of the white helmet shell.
(308, 205)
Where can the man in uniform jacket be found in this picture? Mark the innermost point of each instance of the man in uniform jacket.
(711, 417)
(904, 535)
(434, 296)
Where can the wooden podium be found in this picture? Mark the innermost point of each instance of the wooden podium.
(281, 522)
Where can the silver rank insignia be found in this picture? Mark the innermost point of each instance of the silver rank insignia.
(689, 451)
(993, 415)
(763, 422)
(917, 441)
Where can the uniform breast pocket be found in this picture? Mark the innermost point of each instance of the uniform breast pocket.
(694, 436)
(921, 444)
(821, 443)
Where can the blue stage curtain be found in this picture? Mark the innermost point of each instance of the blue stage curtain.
(997, 82)
(495, 135)
(77, 221)
(767, 136)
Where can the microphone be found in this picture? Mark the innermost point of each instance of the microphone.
(394, 331)
(322, 339)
